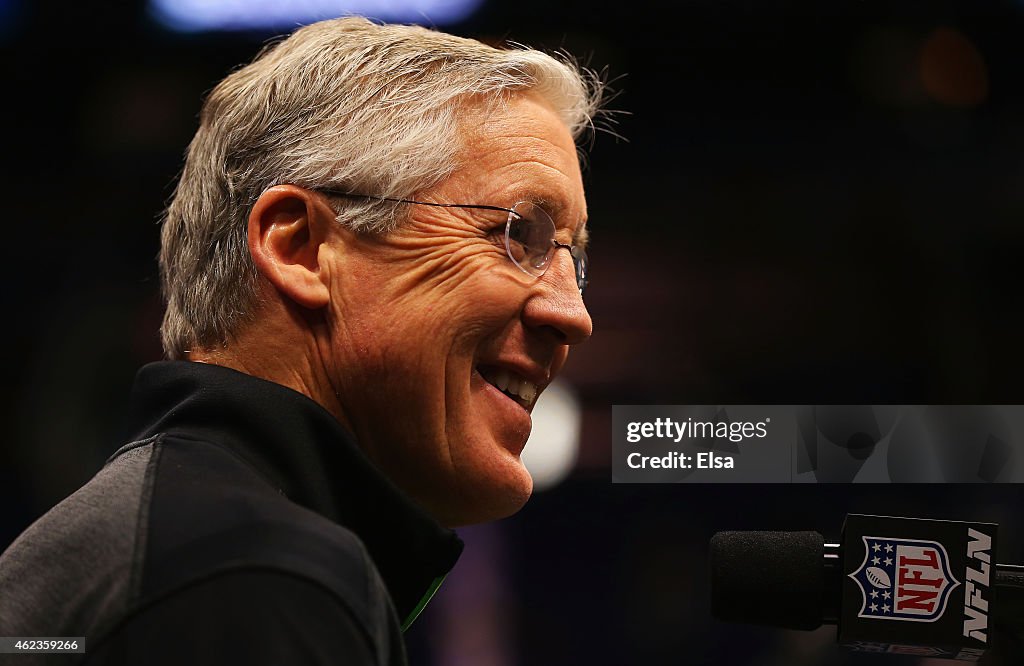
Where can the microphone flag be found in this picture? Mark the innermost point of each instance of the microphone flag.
(915, 582)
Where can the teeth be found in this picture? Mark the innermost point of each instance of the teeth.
(513, 385)
(502, 379)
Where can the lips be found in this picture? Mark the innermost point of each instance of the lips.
(512, 384)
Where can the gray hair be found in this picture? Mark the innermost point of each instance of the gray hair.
(344, 104)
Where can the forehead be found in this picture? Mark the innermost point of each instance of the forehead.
(522, 151)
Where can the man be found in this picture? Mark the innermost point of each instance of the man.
(366, 292)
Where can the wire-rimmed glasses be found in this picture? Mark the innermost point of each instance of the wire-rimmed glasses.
(529, 235)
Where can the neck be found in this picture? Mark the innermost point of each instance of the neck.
(288, 359)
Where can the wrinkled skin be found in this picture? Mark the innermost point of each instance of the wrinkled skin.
(414, 314)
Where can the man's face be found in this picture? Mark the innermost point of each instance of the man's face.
(426, 321)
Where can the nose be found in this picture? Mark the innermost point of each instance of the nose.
(556, 305)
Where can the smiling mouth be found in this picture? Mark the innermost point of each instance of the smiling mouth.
(515, 387)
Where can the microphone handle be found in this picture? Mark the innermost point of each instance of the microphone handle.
(832, 583)
(1010, 576)
(1009, 616)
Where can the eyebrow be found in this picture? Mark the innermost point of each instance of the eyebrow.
(555, 208)
(582, 236)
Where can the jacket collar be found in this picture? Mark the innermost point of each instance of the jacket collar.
(304, 452)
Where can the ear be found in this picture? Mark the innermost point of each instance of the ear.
(288, 226)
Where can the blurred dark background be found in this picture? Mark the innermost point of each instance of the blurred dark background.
(816, 203)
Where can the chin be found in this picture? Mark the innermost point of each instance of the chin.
(488, 498)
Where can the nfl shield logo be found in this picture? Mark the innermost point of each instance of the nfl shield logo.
(904, 579)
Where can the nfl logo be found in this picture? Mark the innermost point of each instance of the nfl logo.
(904, 579)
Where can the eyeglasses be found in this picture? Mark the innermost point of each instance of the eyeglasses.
(529, 235)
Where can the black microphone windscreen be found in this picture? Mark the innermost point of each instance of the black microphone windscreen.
(769, 578)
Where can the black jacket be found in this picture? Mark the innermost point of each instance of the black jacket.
(241, 525)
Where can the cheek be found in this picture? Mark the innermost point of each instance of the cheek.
(425, 307)
(462, 304)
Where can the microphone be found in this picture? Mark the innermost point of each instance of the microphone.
(891, 585)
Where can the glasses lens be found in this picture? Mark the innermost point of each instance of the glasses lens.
(528, 237)
(579, 259)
